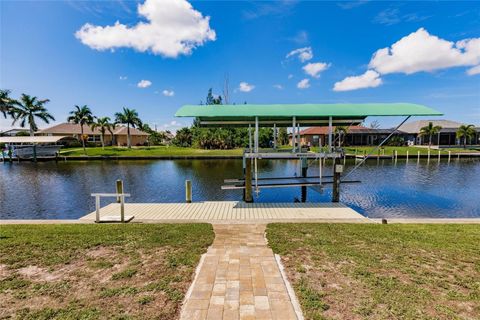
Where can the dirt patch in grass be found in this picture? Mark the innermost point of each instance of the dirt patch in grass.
(129, 271)
(382, 271)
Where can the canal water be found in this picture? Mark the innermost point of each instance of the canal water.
(388, 189)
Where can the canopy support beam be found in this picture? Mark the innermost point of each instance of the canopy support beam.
(294, 138)
(330, 134)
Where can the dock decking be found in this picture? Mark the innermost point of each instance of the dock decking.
(234, 212)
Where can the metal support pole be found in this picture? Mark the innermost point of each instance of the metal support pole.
(298, 138)
(188, 191)
(97, 209)
(122, 208)
(248, 181)
(275, 136)
(337, 170)
(256, 134)
(249, 138)
(320, 169)
(294, 137)
(330, 134)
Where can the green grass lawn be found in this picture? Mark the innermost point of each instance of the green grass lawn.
(149, 151)
(401, 151)
(342, 271)
(88, 271)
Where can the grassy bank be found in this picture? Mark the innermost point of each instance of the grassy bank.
(402, 151)
(98, 271)
(344, 271)
(172, 151)
(156, 151)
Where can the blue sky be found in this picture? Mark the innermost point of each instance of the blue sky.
(434, 60)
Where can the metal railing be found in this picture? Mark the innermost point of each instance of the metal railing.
(120, 196)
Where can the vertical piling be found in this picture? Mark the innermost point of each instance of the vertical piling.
(121, 199)
(188, 191)
(97, 209)
(304, 175)
(428, 155)
(449, 155)
(418, 156)
(438, 154)
(337, 170)
(248, 181)
(34, 152)
(407, 155)
(119, 187)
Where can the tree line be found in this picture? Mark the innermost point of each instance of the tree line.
(223, 138)
(27, 110)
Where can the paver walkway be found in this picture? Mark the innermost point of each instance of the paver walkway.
(239, 279)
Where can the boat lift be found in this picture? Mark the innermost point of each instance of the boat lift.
(295, 116)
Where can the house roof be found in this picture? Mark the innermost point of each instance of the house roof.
(415, 126)
(34, 139)
(282, 114)
(351, 129)
(72, 128)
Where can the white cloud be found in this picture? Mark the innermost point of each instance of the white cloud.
(168, 27)
(290, 76)
(417, 52)
(123, 78)
(303, 84)
(421, 51)
(303, 54)
(278, 86)
(314, 69)
(369, 79)
(144, 84)
(474, 70)
(246, 87)
(300, 38)
(168, 93)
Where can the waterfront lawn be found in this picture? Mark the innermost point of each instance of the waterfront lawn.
(154, 151)
(371, 271)
(402, 151)
(87, 271)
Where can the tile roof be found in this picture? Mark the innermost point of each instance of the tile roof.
(415, 126)
(352, 129)
(72, 128)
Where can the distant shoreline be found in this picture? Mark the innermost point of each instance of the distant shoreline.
(453, 156)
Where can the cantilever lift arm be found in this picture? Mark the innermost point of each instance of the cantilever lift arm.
(376, 148)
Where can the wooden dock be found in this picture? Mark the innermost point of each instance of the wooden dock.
(233, 212)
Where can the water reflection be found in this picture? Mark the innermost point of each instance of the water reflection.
(388, 188)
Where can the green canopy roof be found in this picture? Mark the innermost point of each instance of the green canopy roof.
(305, 114)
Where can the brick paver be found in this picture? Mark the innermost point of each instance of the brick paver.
(239, 279)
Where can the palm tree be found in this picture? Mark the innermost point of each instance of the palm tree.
(6, 103)
(103, 124)
(465, 131)
(130, 118)
(27, 109)
(82, 116)
(341, 130)
(429, 131)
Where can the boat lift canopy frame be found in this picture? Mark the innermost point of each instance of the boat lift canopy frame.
(295, 115)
